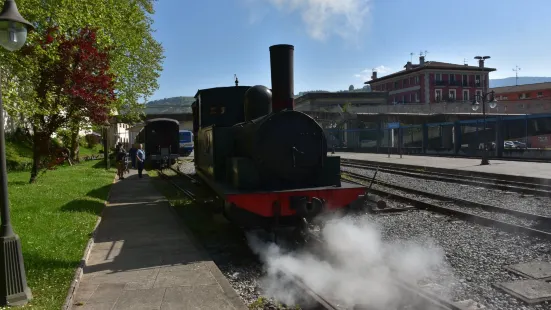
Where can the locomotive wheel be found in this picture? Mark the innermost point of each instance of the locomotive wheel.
(301, 231)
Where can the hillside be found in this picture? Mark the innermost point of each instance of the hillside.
(511, 81)
(178, 101)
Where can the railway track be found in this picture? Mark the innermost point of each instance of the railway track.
(167, 178)
(316, 301)
(513, 221)
(413, 296)
(536, 189)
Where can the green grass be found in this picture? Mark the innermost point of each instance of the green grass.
(54, 218)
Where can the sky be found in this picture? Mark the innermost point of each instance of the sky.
(339, 42)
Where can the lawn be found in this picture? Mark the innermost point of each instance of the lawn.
(54, 218)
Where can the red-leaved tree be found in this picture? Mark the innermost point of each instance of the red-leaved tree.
(75, 86)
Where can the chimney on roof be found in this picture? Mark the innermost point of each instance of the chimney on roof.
(421, 60)
(374, 75)
(481, 63)
(466, 65)
(408, 65)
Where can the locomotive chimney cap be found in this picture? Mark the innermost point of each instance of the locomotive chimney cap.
(282, 46)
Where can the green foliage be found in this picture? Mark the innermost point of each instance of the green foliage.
(124, 27)
(183, 101)
(91, 141)
(55, 231)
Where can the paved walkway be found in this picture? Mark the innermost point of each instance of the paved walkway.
(505, 167)
(144, 259)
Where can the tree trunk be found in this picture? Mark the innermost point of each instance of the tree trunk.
(36, 159)
(74, 142)
(41, 141)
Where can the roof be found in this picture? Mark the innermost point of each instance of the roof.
(149, 121)
(342, 95)
(431, 65)
(520, 88)
(217, 89)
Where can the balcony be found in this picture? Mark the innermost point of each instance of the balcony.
(440, 83)
(455, 83)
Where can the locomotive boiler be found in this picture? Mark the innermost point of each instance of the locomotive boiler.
(266, 162)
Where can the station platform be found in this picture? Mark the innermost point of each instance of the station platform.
(499, 169)
(144, 258)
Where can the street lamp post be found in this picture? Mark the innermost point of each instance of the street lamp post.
(106, 126)
(13, 282)
(484, 97)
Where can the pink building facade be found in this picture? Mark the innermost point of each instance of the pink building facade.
(433, 82)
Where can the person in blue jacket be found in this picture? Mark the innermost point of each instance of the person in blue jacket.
(132, 152)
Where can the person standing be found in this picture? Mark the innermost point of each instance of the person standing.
(140, 157)
(121, 156)
(133, 151)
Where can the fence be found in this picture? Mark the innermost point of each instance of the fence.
(525, 136)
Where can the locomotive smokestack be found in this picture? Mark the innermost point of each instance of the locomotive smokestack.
(281, 63)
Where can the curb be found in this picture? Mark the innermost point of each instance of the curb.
(68, 304)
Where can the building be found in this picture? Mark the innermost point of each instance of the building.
(433, 82)
(332, 102)
(519, 93)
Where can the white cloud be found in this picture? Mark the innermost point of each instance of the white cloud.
(365, 75)
(323, 18)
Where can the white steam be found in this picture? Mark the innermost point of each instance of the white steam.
(361, 271)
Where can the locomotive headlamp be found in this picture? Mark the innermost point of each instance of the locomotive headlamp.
(13, 27)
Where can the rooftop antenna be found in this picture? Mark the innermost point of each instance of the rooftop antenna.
(516, 69)
(465, 61)
(236, 80)
(426, 52)
(411, 57)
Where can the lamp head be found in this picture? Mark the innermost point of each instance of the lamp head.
(13, 27)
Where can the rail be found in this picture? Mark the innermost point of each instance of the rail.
(475, 218)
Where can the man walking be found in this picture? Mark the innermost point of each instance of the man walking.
(140, 157)
(133, 152)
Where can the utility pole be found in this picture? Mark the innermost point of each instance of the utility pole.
(516, 69)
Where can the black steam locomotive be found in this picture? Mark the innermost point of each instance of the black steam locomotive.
(267, 163)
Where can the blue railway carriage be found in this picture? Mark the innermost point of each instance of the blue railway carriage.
(186, 142)
(162, 142)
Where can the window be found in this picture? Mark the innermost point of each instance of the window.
(438, 95)
(465, 80)
(478, 94)
(452, 94)
(526, 95)
(452, 77)
(540, 94)
(395, 85)
(477, 80)
(465, 95)
(417, 80)
(409, 98)
(403, 99)
(416, 96)
(405, 83)
(438, 77)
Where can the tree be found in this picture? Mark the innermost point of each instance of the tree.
(76, 83)
(122, 26)
(351, 88)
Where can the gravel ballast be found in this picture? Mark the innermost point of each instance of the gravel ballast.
(475, 254)
(504, 199)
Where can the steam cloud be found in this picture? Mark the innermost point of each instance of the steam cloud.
(361, 269)
(322, 17)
